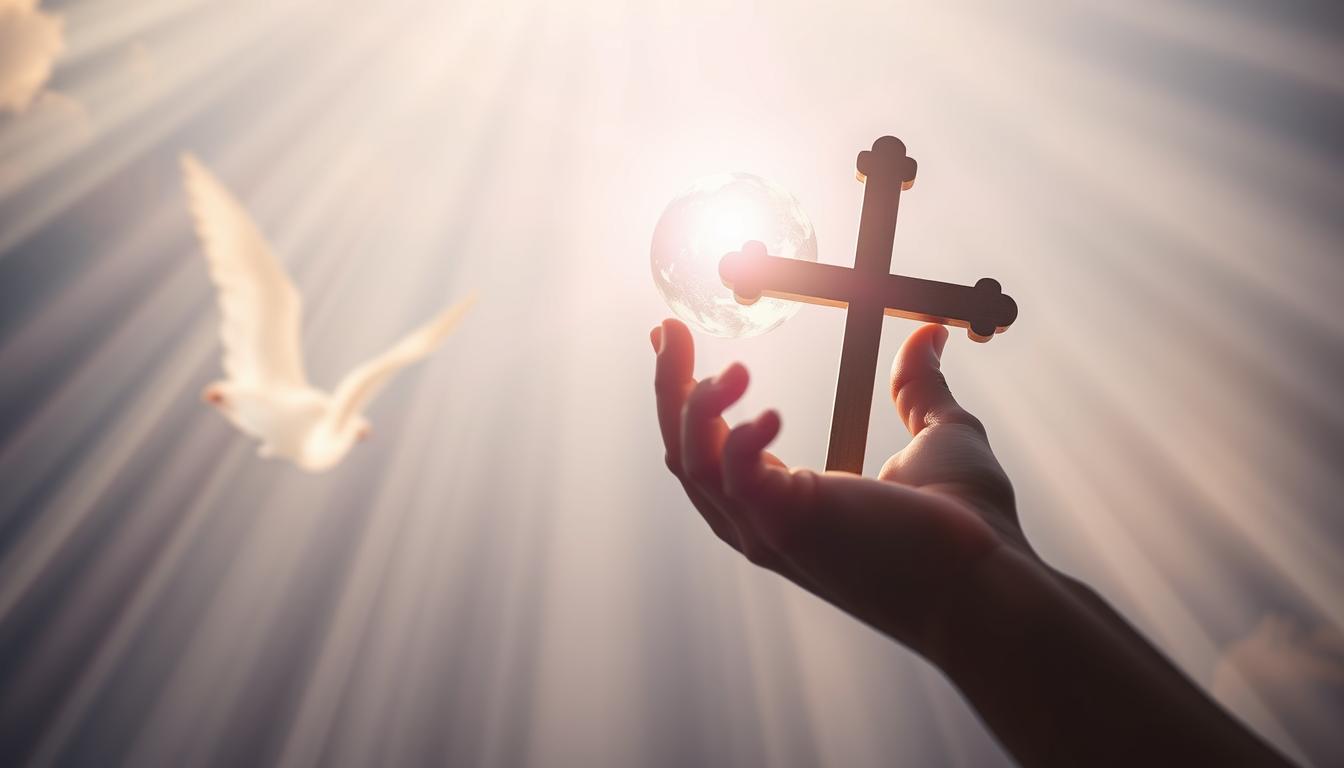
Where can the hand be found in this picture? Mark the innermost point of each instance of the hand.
(888, 550)
(931, 553)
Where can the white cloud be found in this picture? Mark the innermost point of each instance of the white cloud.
(1287, 679)
(30, 40)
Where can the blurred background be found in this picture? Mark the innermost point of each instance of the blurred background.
(505, 574)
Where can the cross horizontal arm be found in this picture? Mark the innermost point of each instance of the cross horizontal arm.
(752, 275)
(982, 309)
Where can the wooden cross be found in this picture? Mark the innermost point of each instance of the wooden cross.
(870, 291)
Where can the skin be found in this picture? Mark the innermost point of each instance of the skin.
(931, 554)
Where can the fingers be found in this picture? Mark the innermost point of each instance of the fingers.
(672, 383)
(917, 385)
(728, 476)
(703, 429)
(746, 468)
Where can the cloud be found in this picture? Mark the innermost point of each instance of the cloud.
(30, 40)
(1287, 678)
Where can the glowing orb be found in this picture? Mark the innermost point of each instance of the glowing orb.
(716, 216)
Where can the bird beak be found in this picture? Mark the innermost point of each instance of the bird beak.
(212, 396)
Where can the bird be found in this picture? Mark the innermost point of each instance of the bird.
(266, 393)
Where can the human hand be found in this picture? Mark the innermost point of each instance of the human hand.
(889, 551)
(931, 553)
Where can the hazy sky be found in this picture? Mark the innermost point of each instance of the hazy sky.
(505, 574)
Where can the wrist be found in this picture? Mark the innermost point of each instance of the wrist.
(1003, 600)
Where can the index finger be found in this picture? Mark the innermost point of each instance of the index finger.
(672, 383)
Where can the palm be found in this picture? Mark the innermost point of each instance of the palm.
(953, 461)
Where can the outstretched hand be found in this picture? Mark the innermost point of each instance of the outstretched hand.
(931, 553)
(887, 550)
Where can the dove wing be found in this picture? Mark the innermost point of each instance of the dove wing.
(362, 384)
(261, 310)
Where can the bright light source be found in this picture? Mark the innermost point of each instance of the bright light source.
(716, 216)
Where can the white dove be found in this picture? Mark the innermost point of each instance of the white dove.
(267, 394)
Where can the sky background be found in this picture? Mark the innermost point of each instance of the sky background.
(505, 574)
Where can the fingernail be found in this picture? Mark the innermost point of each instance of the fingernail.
(939, 342)
(656, 338)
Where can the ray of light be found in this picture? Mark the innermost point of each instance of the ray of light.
(504, 575)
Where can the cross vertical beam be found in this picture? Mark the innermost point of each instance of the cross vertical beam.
(885, 171)
(869, 291)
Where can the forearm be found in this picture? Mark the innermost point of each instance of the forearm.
(1062, 679)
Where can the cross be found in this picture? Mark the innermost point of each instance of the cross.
(870, 291)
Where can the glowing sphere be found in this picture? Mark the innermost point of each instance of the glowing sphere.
(716, 216)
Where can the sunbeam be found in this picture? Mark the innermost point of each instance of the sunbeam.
(504, 574)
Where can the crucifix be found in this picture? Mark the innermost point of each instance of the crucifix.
(870, 292)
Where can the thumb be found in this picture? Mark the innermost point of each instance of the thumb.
(917, 385)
